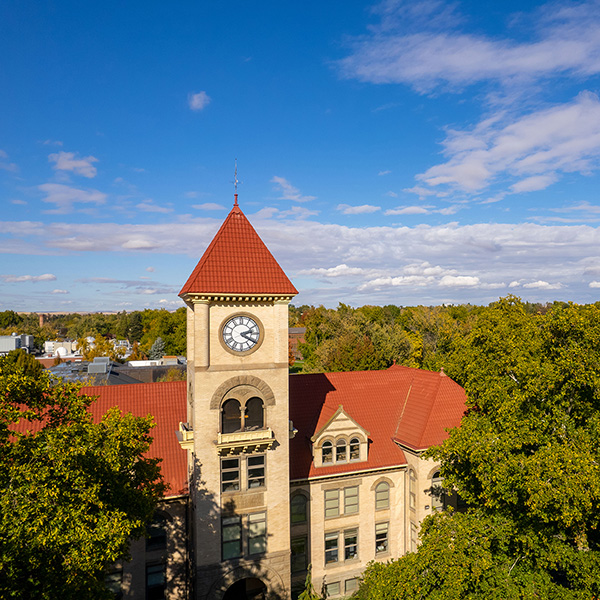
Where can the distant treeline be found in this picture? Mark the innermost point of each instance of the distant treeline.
(341, 339)
(143, 327)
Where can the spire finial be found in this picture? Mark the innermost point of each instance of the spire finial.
(235, 184)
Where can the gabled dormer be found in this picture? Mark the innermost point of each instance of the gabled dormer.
(341, 440)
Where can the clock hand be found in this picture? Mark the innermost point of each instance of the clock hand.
(249, 335)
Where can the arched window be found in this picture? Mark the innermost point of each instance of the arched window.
(254, 414)
(231, 416)
(327, 452)
(437, 492)
(341, 451)
(298, 508)
(354, 449)
(382, 495)
(156, 533)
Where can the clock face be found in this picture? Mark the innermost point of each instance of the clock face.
(241, 333)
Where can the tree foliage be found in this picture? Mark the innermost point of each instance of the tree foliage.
(157, 350)
(72, 492)
(526, 459)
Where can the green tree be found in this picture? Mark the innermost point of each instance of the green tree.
(526, 460)
(309, 591)
(158, 349)
(72, 492)
(24, 362)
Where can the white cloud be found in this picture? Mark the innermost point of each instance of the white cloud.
(382, 173)
(459, 281)
(288, 191)
(594, 284)
(149, 206)
(150, 269)
(64, 196)
(357, 210)
(52, 143)
(59, 292)
(18, 202)
(198, 101)
(407, 210)
(5, 165)
(542, 285)
(421, 45)
(338, 271)
(534, 148)
(208, 206)
(67, 161)
(32, 278)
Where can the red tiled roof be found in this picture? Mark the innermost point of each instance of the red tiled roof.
(166, 402)
(238, 262)
(404, 405)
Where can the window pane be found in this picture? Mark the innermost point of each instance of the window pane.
(351, 585)
(412, 489)
(231, 417)
(254, 414)
(340, 451)
(382, 496)
(381, 537)
(230, 474)
(331, 547)
(256, 471)
(155, 582)
(350, 500)
(157, 533)
(332, 503)
(350, 544)
(257, 533)
(231, 532)
(299, 554)
(298, 508)
(333, 589)
(327, 452)
(354, 449)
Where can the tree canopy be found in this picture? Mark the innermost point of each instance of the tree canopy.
(72, 492)
(526, 459)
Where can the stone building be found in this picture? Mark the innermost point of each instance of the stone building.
(271, 472)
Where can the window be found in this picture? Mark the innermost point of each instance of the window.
(414, 537)
(230, 474)
(437, 492)
(382, 495)
(231, 534)
(299, 554)
(254, 414)
(331, 548)
(350, 544)
(333, 589)
(156, 533)
(412, 490)
(354, 449)
(231, 416)
(381, 538)
(257, 533)
(341, 451)
(332, 503)
(327, 452)
(350, 500)
(114, 583)
(155, 582)
(298, 508)
(351, 585)
(256, 471)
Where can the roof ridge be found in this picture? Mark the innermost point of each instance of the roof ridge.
(433, 403)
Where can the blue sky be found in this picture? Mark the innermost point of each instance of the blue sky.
(396, 152)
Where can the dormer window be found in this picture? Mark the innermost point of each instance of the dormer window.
(354, 449)
(341, 451)
(327, 452)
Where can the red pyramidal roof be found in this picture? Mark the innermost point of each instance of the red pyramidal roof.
(238, 262)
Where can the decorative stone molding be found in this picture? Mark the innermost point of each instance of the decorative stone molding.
(227, 388)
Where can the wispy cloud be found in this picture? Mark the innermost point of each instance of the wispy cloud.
(5, 165)
(198, 101)
(32, 278)
(288, 191)
(149, 206)
(357, 210)
(59, 292)
(64, 197)
(208, 206)
(68, 161)
(421, 44)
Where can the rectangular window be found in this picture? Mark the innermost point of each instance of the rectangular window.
(332, 503)
(414, 537)
(350, 500)
(412, 490)
(256, 471)
(333, 589)
(231, 534)
(257, 533)
(351, 585)
(299, 554)
(230, 474)
(331, 547)
(381, 537)
(114, 583)
(155, 582)
(350, 544)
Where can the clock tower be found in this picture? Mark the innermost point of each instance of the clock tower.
(238, 428)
